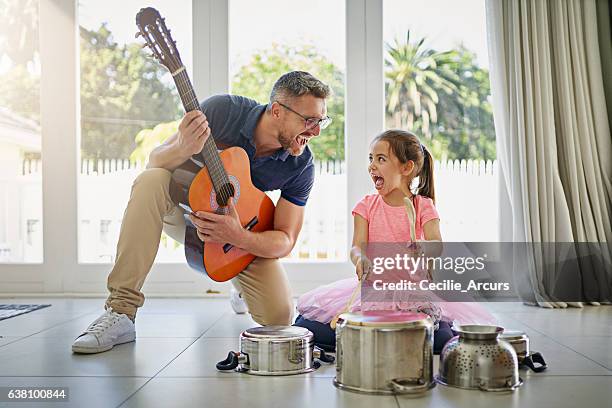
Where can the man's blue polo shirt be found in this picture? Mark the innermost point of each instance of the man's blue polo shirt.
(232, 120)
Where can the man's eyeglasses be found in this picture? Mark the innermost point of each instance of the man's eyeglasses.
(310, 123)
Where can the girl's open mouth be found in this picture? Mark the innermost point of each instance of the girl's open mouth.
(379, 182)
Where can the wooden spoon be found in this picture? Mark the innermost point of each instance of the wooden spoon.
(347, 308)
(411, 217)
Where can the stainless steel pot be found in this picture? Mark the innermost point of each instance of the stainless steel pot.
(526, 358)
(477, 359)
(518, 340)
(384, 352)
(275, 350)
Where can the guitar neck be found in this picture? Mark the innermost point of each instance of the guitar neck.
(209, 151)
(186, 91)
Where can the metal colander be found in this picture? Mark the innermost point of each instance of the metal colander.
(477, 359)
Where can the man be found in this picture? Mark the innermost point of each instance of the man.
(275, 137)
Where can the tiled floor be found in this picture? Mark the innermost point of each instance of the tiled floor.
(179, 340)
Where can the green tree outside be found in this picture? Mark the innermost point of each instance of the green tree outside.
(148, 139)
(466, 129)
(441, 96)
(20, 85)
(415, 78)
(256, 78)
(19, 30)
(127, 109)
(20, 92)
(122, 92)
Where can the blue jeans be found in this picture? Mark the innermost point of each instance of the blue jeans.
(325, 336)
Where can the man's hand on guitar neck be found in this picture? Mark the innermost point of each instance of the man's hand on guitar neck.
(192, 133)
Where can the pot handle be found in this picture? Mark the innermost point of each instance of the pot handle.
(231, 362)
(399, 387)
(535, 358)
(320, 354)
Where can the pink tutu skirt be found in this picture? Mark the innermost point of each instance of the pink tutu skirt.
(325, 302)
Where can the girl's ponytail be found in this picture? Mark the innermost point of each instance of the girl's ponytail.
(426, 176)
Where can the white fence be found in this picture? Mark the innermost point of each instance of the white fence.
(466, 197)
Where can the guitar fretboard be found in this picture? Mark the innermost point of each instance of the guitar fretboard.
(209, 152)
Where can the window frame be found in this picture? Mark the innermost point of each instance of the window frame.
(60, 272)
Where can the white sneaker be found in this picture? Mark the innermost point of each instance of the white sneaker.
(237, 302)
(105, 332)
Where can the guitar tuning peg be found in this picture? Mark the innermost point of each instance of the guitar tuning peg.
(138, 34)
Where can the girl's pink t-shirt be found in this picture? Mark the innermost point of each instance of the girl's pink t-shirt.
(390, 224)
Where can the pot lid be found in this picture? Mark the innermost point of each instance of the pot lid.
(386, 318)
(277, 332)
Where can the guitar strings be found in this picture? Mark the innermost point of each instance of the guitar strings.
(216, 165)
(185, 88)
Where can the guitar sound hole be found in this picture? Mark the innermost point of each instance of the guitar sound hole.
(225, 192)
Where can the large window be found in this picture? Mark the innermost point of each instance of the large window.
(437, 85)
(129, 105)
(268, 38)
(20, 137)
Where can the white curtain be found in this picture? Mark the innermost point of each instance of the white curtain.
(551, 122)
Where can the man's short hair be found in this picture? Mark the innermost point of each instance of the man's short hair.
(298, 83)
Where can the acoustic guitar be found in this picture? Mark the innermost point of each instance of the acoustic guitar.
(207, 180)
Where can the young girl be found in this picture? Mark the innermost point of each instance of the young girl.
(396, 158)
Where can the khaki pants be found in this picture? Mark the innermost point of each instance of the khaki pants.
(263, 283)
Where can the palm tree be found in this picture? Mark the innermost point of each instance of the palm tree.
(415, 77)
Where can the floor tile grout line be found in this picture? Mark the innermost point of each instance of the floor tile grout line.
(252, 377)
(247, 377)
(11, 342)
(569, 375)
(139, 337)
(19, 338)
(586, 337)
(45, 329)
(72, 376)
(318, 378)
(333, 376)
(170, 362)
(529, 326)
(554, 340)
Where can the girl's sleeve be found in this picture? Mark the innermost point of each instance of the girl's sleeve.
(361, 208)
(428, 210)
